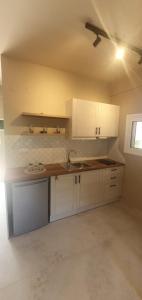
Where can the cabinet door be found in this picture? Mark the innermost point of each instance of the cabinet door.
(90, 188)
(107, 119)
(83, 118)
(63, 196)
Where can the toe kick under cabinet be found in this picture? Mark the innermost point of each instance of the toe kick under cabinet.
(74, 193)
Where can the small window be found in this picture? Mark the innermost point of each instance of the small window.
(136, 138)
(1, 124)
(133, 134)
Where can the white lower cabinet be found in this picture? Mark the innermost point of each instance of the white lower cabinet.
(113, 185)
(90, 192)
(63, 196)
(73, 193)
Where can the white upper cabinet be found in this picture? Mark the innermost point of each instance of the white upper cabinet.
(107, 120)
(83, 118)
(91, 119)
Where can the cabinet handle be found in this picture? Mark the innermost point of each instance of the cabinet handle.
(79, 179)
(114, 177)
(112, 185)
(113, 170)
(75, 179)
(99, 130)
(96, 130)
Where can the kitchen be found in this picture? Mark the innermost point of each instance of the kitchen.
(36, 181)
(73, 164)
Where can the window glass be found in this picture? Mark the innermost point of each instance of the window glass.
(136, 137)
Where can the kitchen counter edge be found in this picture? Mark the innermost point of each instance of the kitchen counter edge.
(17, 174)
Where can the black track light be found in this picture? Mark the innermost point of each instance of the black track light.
(140, 61)
(100, 32)
(97, 41)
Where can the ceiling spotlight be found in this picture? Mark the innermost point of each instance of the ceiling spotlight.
(97, 41)
(120, 52)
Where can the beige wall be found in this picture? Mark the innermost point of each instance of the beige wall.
(34, 88)
(128, 94)
(1, 104)
(2, 162)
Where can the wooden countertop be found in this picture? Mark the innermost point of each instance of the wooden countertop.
(17, 174)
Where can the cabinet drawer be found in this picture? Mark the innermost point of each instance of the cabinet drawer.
(113, 175)
(113, 191)
(116, 172)
(115, 180)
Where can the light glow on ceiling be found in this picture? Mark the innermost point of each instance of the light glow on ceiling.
(120, 52)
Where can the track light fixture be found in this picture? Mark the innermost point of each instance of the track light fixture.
(97, 41)
(100, 32)
(140, 61)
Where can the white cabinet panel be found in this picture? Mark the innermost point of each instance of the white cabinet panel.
(83, 118)
(107, 120)
(63, 196)
(90, 191)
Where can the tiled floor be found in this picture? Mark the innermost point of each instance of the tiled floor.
(93, 256)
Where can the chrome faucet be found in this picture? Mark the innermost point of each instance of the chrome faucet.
(68, 156)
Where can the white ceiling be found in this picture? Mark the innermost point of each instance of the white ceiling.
(51, 32)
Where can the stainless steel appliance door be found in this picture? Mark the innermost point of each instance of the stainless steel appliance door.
(29, 205)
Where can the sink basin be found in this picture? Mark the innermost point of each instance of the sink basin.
(77, 165)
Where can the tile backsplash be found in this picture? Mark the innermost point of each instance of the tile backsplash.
(21, 150)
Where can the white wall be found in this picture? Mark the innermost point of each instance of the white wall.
(35, 88)
(2, 162)
(128, 94)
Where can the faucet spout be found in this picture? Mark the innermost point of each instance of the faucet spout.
(68, 156)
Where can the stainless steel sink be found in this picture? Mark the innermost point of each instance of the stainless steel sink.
(80, 165)
(77, 165)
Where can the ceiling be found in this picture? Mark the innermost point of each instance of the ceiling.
(52, 33)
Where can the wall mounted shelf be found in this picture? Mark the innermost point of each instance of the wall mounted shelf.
(42, 115)
(43, 134)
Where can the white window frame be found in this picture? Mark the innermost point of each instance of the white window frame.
(128, 134)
